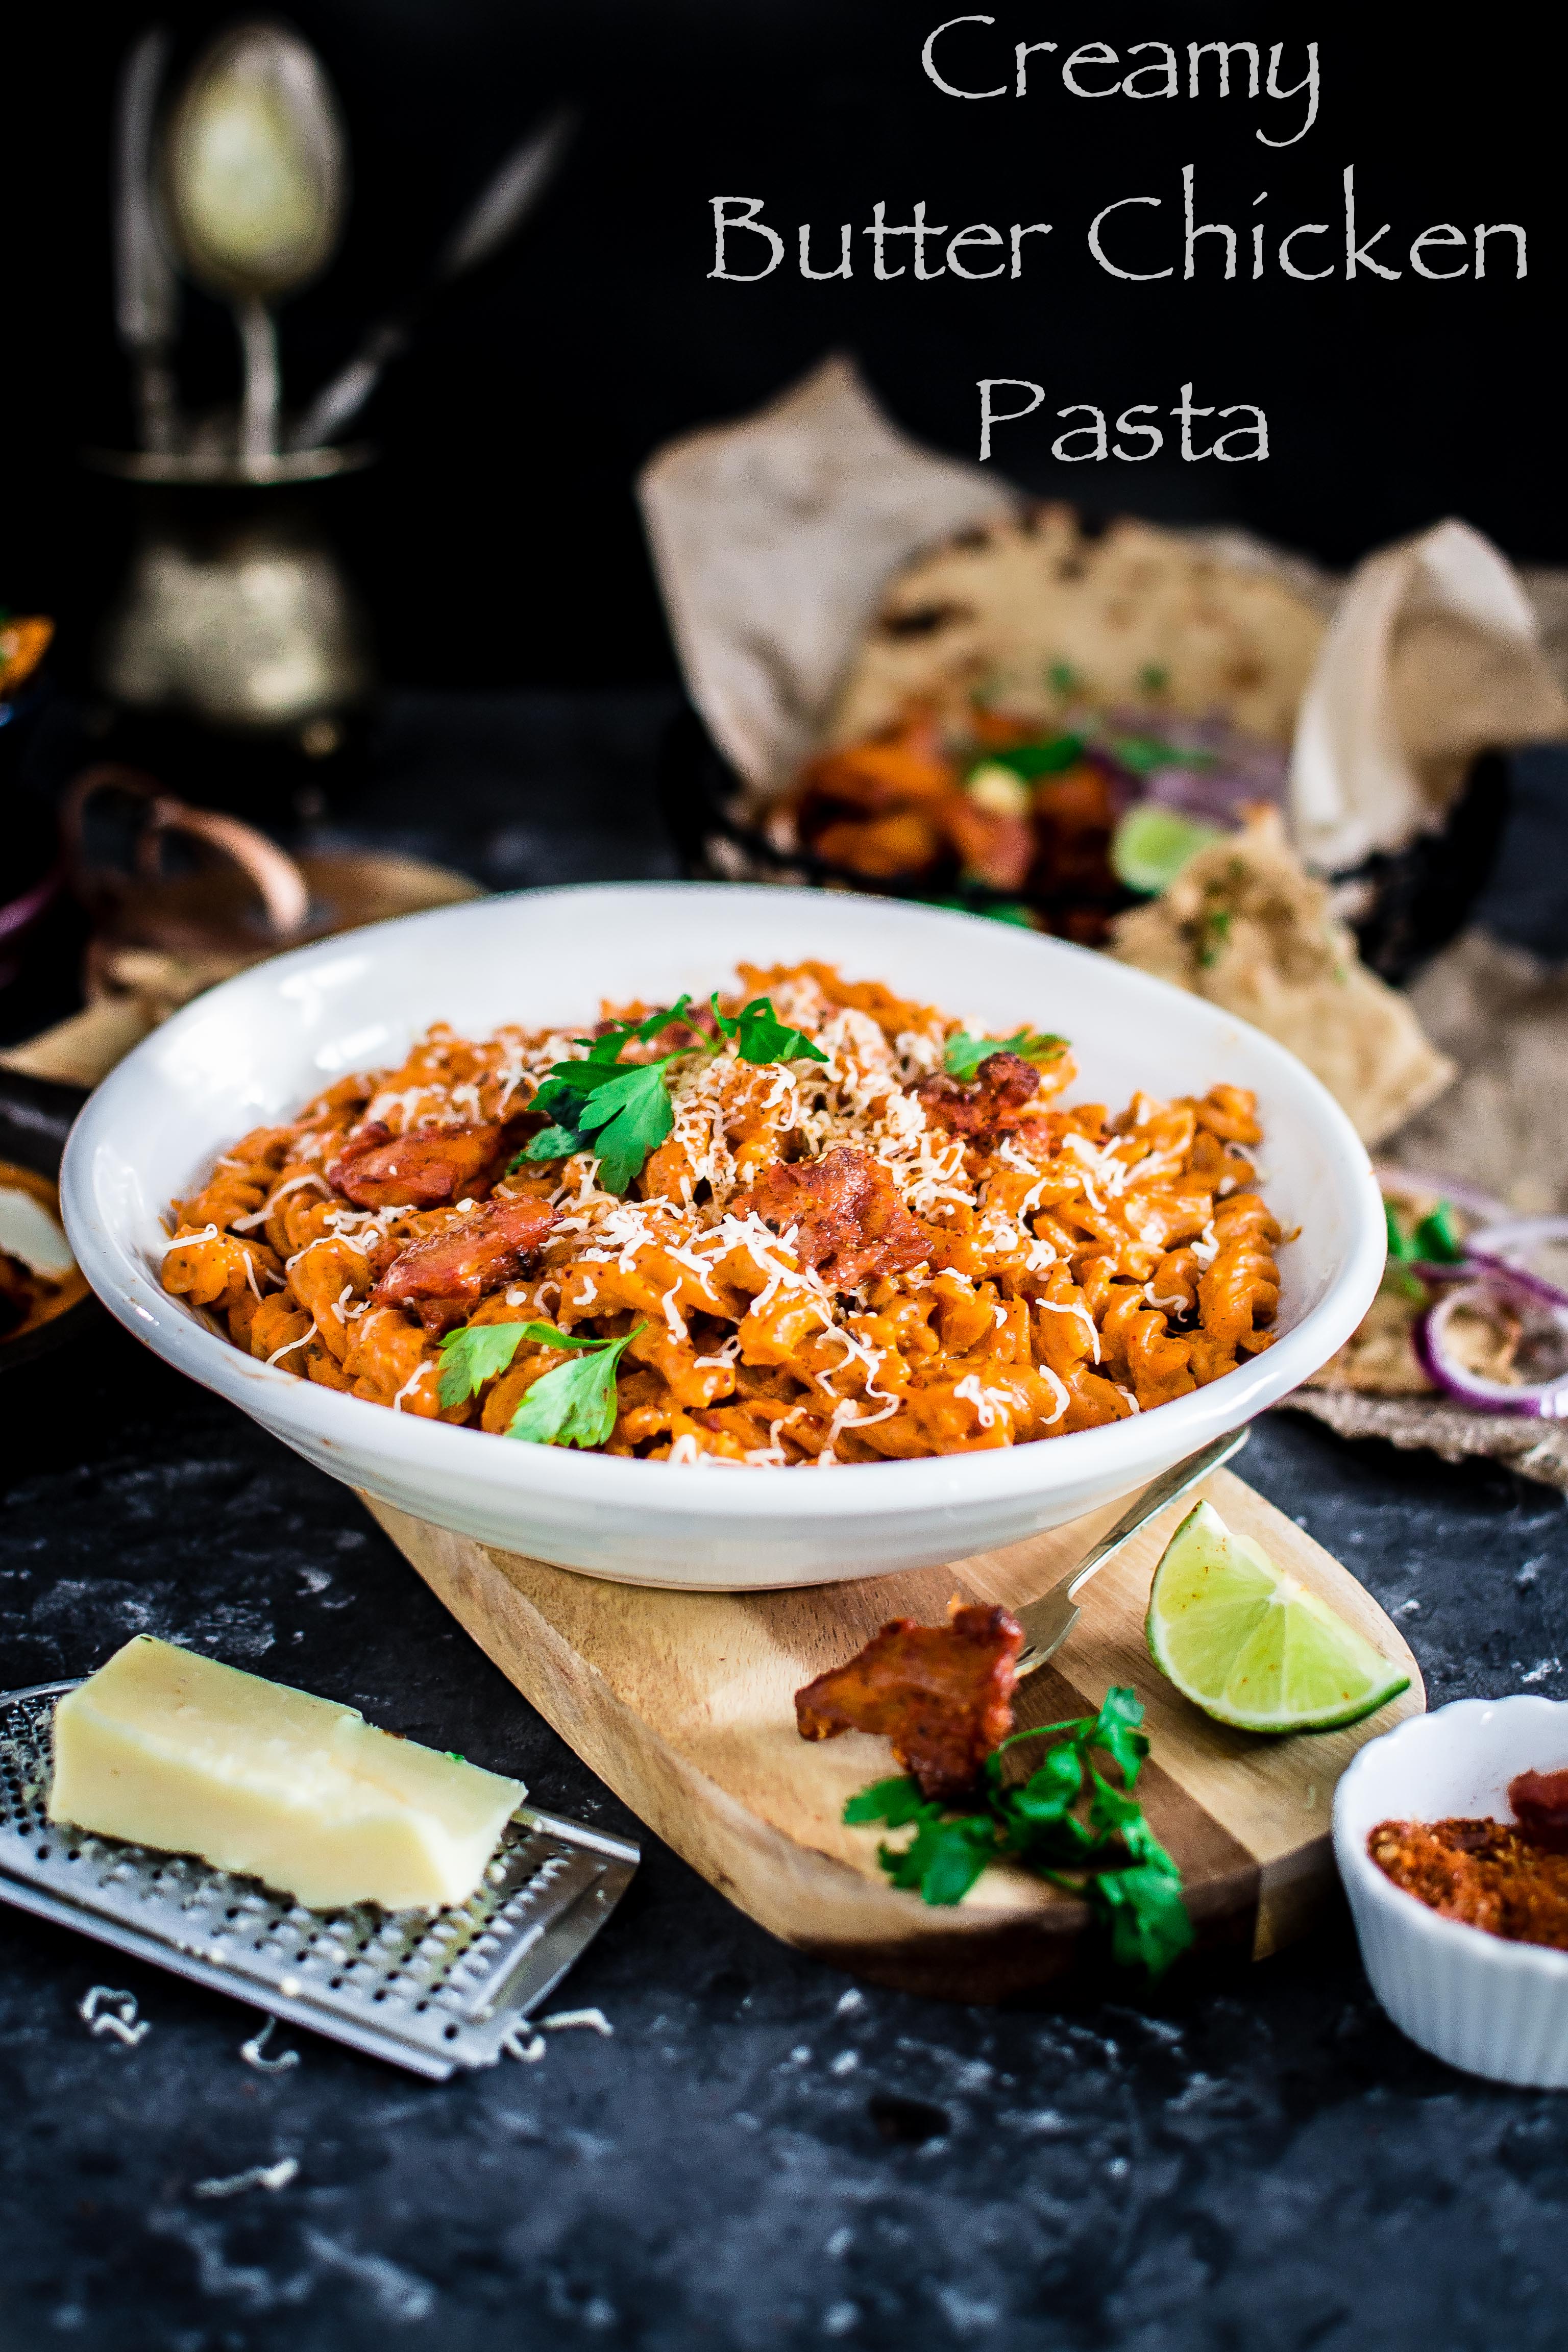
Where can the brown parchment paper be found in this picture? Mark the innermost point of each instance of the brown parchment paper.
(772, 538)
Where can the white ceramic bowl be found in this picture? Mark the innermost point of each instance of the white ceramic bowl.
(1493, 2007)
(259, 1046)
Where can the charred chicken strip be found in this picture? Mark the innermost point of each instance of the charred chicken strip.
(844, 1211)
(998, 1103)
(941, 1694)
(378, 1169)
(444, 1277)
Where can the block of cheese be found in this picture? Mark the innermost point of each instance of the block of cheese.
(176, 1751)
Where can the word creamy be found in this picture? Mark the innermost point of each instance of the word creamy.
(958, 61)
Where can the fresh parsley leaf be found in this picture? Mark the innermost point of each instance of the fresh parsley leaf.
(1062, 677)
(549, 1335)
(944, 1858)
(1213, 931)
(576, 1403)
(1049, 758)
(551, 1143)
(1008, 911)
(1050, 1793)
(1149, 1926)
(1113, 1861)
(629, 1118)
(1116, 1730)
(763, 1037)
(624, 1105)
(963, 1054)
(1109, 1810)
(1437, 1237)
(631, 1032)
(1400, 1247)
(618, 1111)
(896, 1803)
(474, 1355)
(1403, 1253)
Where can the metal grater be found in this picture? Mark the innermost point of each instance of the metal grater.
(430, 1993)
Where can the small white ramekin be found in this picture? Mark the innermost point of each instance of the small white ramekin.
(1493, 2007)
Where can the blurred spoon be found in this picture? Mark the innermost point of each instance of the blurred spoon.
(255, 181)
(498, 210)
(146, 292)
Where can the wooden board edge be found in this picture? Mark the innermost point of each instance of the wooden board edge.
(810, 1900)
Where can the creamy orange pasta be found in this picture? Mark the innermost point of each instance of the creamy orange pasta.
(909, 1246)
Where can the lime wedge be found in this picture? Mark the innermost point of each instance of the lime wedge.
(1152, 843)
(1250, 1646)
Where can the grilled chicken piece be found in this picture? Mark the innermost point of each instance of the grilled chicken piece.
(941, 1694)
(850, 1222)
(1000, 1101)
(378, 1169)
(444, 1277)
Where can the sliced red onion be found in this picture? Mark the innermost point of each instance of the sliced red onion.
(1544, 1400)
(1493, 1248)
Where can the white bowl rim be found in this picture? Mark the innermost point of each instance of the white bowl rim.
(853, 1490)
(1404, 1910)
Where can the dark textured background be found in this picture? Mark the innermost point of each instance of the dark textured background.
(763, 2157)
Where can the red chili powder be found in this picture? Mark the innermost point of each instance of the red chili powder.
(1509, 1877)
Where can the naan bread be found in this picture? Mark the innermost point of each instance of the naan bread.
(1244, 925)
(1136, 616)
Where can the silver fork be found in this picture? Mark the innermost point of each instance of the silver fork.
(1048, 1621)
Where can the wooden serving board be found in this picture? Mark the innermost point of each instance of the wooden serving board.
(683, 1702)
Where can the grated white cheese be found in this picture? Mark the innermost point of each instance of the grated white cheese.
(1074, 1306)
(259, 1216)
(207, 1234)
(1060, 1389)
(970, 1390)
(288, 1347)
(409, 1385)
(109, 2011)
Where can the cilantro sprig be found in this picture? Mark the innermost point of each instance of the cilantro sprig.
(474, 1355)
(963, 1054)
(618, 1110)
(621, 1110)
(762, 1036)
(576, 1403)
(572, 1405)
(1103, 1852)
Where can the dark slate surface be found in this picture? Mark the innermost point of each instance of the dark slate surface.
(762, 2156)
